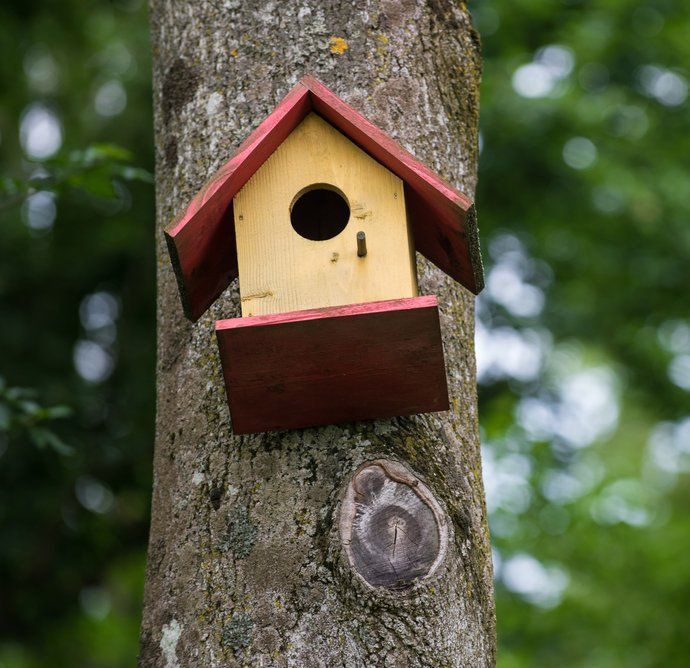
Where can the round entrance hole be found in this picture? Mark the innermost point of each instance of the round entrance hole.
(319, 212)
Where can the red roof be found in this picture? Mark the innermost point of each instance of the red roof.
(201, 240)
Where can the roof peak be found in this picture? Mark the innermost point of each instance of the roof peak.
(201, 240)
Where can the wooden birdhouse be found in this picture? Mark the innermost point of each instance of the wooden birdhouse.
(319, 213)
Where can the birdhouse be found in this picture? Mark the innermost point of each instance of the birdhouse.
(320, 213)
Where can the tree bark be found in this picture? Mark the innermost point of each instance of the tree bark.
(251, 558)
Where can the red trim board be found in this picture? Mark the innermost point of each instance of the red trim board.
(333, 365)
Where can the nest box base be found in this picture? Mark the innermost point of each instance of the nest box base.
(332, 365)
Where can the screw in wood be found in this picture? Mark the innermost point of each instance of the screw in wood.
(361, 244)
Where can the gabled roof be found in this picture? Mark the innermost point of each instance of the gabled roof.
(201, 240)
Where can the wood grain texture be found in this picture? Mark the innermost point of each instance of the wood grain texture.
(393, 530)
(333, 365)
(443, 220)
(282, 271)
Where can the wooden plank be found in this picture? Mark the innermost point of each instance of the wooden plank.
(451, 247)
(282, 271)
(333, 365)
(442, 218)
(201, 239)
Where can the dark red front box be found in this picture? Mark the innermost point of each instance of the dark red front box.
(331, 365)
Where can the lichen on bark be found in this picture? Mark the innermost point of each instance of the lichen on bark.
(241, 532)
(245, 555)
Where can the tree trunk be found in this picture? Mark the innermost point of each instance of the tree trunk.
(258, 555)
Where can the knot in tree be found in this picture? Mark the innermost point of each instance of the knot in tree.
(392, 528)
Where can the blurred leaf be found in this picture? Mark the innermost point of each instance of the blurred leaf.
(20, 414)
(57, 444)
(136, 174)
(5, 417)
(92, 171)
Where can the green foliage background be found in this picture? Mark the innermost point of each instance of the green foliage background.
(583, 331)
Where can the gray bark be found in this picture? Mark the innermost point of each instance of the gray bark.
(246, 564)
